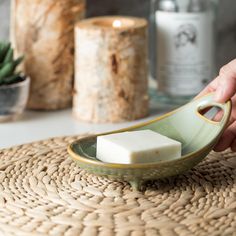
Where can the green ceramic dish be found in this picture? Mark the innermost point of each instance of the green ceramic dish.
(197, 134)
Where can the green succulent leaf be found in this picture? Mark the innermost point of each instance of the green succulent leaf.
(4, 47)
(7, 70)
(9, 56)
(8, 65)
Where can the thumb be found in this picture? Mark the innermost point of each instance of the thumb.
(226, 87)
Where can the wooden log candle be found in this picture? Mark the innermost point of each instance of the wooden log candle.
(43, 31)
(111, 71)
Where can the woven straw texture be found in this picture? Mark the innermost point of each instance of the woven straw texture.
(43, 192)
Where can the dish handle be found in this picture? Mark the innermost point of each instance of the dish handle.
(208, 109)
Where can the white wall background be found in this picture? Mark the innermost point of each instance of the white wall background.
(226, 25)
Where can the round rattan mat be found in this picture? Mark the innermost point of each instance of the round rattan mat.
(43, 192)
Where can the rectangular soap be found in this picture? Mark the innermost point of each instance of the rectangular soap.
(142, 146)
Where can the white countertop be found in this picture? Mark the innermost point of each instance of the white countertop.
(34, 126)
(38, 125)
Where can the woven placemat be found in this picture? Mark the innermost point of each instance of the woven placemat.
(43, 192)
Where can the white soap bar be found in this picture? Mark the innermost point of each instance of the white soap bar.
(142, 146)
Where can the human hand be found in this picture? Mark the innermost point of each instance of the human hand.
(224, 87)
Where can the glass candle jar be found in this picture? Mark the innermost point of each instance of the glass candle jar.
(183, 33)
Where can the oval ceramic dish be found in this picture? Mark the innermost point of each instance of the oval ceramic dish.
(197, 134)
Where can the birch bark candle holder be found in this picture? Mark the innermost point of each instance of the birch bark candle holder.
(111, 73)
(43, 31)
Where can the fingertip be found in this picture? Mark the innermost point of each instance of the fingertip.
(219, 148)
(233, 146)
(208, 89)
(233, 149)
(225, 141)
(225, 89)
(202, 93)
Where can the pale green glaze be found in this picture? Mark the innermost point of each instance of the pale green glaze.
(197, 134)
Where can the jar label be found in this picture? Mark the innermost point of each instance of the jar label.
(184, 52)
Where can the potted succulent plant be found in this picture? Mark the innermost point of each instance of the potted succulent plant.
(14, 87)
